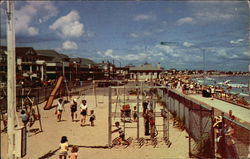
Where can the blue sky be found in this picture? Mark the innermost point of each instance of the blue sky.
(130, 32)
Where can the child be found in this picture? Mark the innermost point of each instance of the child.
(83, 109)
(92, 117)
(74, 151)
(73, 109)
(121, 133)
(24, 117)
(60, 108)
(64, 147)
(135, 116)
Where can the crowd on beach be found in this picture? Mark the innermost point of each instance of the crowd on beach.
(189, 86)
(224, 137)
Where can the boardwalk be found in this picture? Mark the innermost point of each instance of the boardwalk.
(241, 113)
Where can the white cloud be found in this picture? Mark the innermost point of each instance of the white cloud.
(188, 44)
(211, 16)
(69, 26)
(186, 20)
(69, 45)
(236, 41)
(26, 15)
(134, 35)
(165, 48)
(141, 17)
(247, 53)
(139, 57)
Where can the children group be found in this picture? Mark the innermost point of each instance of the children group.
(73, 109)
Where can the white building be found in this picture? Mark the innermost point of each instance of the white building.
(145, 72)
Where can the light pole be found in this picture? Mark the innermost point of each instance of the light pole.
(75, 64)
(11, 84)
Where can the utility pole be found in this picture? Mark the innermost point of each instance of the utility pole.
(11, 74)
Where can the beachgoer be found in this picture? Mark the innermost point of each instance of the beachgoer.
(74, 151)
(231, 151)
(64, 147)
(212, 90)
(121, 134)
(60, 109)
(83, 109)
(135, 116)
(218, 136)
(73, 109)
(146, 122)
(92, 117)
(25, 117)
(152, 123)
(231, 116)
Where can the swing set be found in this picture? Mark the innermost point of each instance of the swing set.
(147, 108)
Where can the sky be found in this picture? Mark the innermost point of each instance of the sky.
(197, 34)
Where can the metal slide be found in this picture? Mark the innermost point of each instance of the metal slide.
(53, 94)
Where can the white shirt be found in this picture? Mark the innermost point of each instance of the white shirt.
(60, 106)
(212, 90)
(83, 107)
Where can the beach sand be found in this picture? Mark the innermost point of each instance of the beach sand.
(93, 140)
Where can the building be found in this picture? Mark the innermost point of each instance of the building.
(3, 66)
(28, 67)
(145, 72)
(85, 69)
(56, 64)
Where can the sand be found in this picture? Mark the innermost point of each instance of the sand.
(92, 141)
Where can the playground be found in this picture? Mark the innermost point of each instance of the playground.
(94, 142)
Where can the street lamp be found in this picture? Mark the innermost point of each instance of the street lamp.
(75, 64)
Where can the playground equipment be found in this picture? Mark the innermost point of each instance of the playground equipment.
(145, 98)
(53, 94)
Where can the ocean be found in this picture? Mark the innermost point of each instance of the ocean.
(239, 84)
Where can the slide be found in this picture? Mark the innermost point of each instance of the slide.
(53, 94)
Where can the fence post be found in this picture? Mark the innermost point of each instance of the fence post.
(109, 118)
(212, 131)
(189, 136)
(223, 137)
(138, 111)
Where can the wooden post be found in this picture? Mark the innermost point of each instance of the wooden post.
(138, 113)
(110, 118)
(11, 84)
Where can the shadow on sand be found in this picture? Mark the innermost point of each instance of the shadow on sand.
(49, 154)
(52, 153)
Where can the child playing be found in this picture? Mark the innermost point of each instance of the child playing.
(24, 117)
(74, 151)
(121, 133)
(135, 116)
(92, 117)
(64, 147)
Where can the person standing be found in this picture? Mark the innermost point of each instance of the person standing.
(83, 109)
(73, 109)
(92, 117)
(60, 109)
(64, 147)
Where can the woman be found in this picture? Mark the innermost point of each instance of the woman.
(83, 109)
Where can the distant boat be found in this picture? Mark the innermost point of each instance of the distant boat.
(227, 82)
(237, 85)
